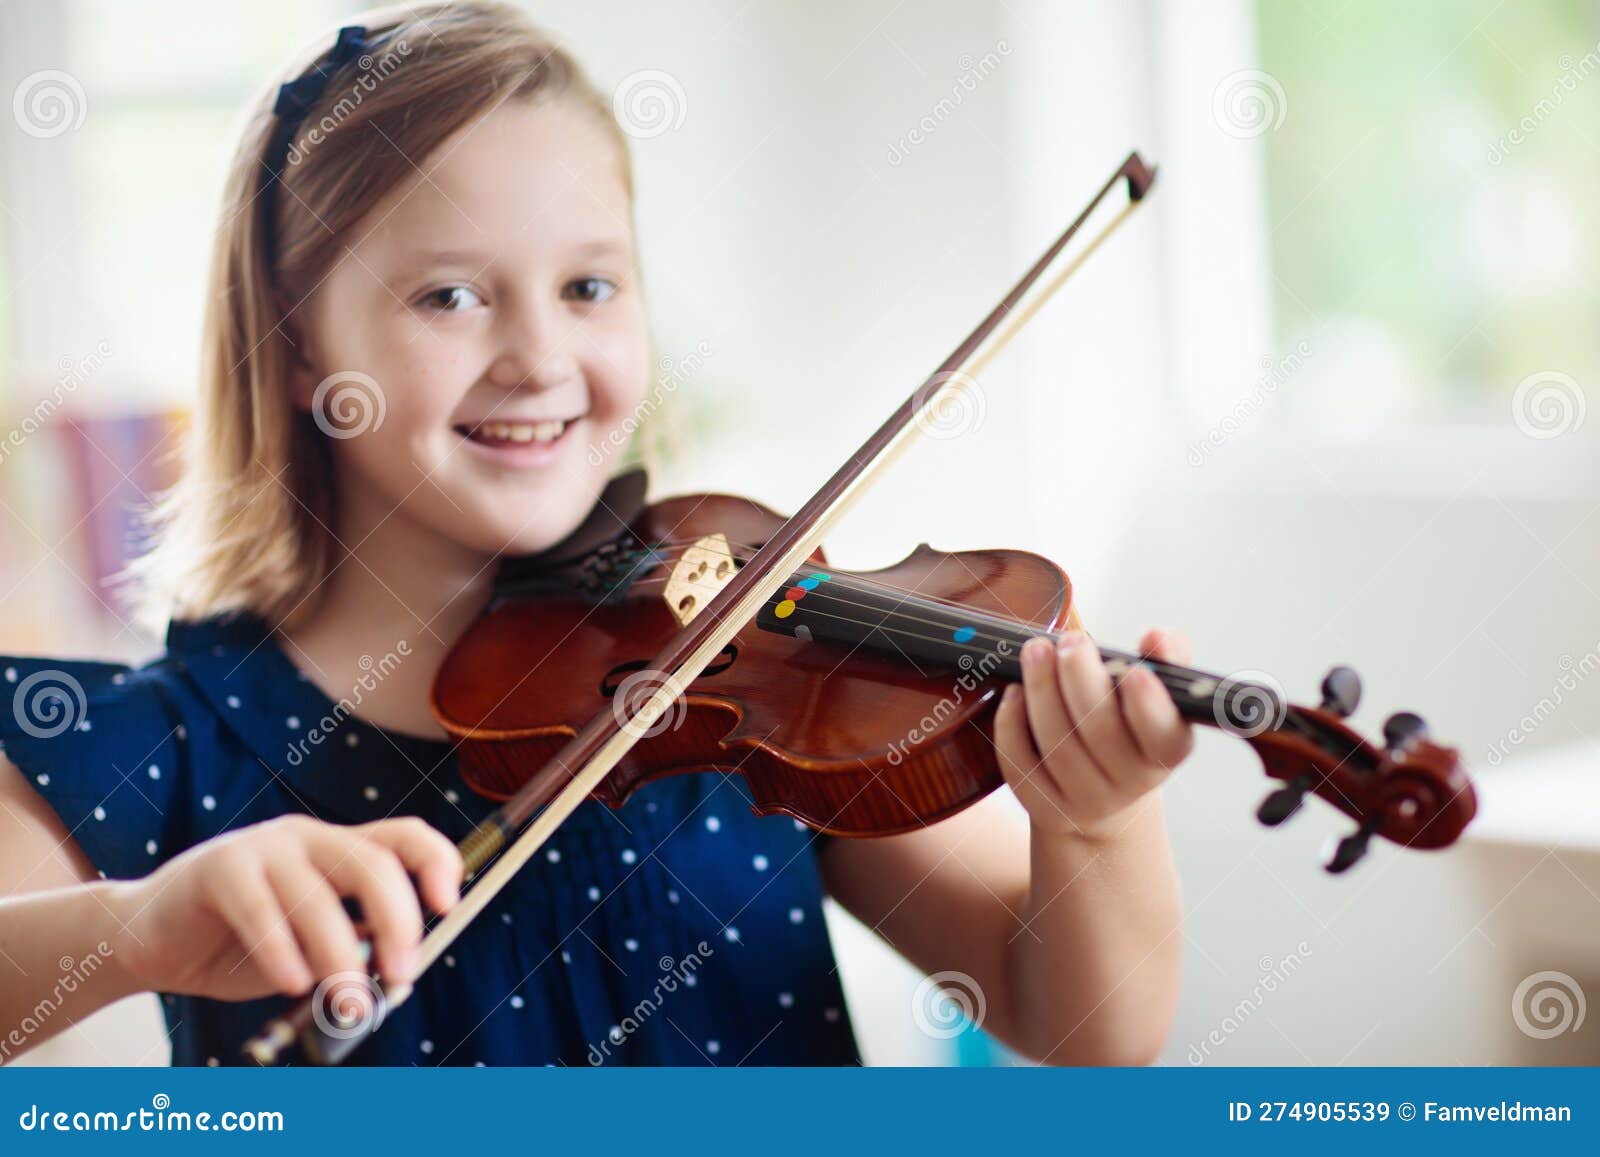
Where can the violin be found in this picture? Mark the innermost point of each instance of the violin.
(708, 632)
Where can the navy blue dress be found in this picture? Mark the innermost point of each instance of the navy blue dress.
(678, 930)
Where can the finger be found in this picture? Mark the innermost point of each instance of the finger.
(250, 907)
(1019, 761)
(1062, 756)
(1169, 646)
(1011, 739)
(1091, 700)
(1154, 722)
(427, 854)
(373, 874)
(326, 934)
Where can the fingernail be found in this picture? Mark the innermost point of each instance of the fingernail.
(1036, 651)
(1068, 641)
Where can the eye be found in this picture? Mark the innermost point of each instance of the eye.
(590, 290)
(450, 299)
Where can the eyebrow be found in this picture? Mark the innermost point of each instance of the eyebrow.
(478, 258)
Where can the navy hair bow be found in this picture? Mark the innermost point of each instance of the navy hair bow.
(296, 98)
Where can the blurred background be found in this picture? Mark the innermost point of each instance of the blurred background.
(1323, 400)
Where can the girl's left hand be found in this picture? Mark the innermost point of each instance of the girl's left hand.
(1078, 751)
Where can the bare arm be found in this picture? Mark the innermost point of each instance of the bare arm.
(253, 911)
(1068, 921)
(1073, 944)
(58, 924)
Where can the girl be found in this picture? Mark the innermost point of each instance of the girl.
(435, 214)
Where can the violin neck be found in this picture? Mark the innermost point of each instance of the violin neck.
(840, 609)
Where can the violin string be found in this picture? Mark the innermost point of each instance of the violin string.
(968, 616)
(1180, 681)
(662, 580)
(748, 549)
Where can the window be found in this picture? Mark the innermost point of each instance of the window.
(1430, 204)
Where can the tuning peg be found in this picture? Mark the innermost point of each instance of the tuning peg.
(1283, 803)
(1350, 849)
(1402, 729)
(1341, 692)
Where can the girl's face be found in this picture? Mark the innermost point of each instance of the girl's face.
(493, 302)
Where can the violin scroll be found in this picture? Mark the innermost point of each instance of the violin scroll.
(1410, 791)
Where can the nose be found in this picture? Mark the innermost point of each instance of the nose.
(533, 349)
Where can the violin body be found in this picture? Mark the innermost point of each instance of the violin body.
(860, 744)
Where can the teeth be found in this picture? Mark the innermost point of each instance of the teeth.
(522, 432)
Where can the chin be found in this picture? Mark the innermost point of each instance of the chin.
(539, 531)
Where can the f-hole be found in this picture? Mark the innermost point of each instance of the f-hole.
(615, 677)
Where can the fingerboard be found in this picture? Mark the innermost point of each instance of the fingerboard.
(829, 608)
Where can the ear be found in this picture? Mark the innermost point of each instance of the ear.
(302, 382)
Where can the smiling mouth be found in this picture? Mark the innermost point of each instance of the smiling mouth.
(515, 433)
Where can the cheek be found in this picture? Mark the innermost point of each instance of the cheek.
(424, 385)
(620, 371)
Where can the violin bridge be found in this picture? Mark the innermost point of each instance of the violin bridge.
(703, 569)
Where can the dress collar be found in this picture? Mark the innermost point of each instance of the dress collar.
(352, 771)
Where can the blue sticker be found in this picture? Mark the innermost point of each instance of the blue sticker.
(964, 634)
(809, 584)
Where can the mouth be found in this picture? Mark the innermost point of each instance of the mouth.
(515, 433)
(517, 443)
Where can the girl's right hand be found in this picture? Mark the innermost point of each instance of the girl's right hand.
(257, 911)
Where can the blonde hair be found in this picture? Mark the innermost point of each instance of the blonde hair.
(246, 527)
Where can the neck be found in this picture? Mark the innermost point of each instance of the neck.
(846, 609)
(379, 601)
